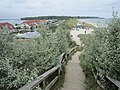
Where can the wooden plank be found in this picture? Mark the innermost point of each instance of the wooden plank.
(100, 84)
(51, 71)
(116, 82)
(39, 79)
(52, 83)
(72, 50)
(33, 83)
(61, 58)
(95, 76)
(44, 86)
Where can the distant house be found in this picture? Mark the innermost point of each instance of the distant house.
(25, 26)
(17, 26)
(28, 35)
(7, 25)
(31, 23)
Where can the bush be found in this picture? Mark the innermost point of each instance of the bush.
(102, 48)
(21, 62)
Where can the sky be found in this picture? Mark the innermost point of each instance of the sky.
(23, 8)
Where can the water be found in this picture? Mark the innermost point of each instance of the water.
(12, 21)
(96, 21)
(93, 20)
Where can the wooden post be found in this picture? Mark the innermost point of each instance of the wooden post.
(59, 72)
(44, 85)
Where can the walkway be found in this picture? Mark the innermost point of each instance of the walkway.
(74, 77)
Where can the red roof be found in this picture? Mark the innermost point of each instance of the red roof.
(9, 26)
(29, 22)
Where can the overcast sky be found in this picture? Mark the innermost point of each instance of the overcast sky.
(21, 8)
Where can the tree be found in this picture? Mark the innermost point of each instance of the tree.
(21, 62)
(114, 48)
(102, 50)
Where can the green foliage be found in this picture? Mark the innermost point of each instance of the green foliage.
(56, 17)
(90, 81)
(70, 22)
(47, 17)
(59, 84)
(114, 48)
(21, 62)
(89, 25)
(102, 49)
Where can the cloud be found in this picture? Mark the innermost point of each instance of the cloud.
(20, 1)
(21, 8)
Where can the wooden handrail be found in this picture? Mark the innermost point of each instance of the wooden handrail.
(43, 77)
(114, 81)
(39, 79)
(72, 50)
(62, 56)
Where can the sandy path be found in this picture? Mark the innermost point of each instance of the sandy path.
(74, 77)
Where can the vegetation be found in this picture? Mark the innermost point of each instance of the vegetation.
(90, 82)
(59, 84)
(89, 25)
(101, 50)
(21, 62)
(56, 17)
(70, 22)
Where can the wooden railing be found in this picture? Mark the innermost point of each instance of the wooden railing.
(114, 82)
(42, 82)
(72, 50)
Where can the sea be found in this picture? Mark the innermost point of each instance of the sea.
(34, 34)
(91, 20)
(101, 21)
(12, 21)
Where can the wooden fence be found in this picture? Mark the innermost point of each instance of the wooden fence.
(97, 75)
(42, 81)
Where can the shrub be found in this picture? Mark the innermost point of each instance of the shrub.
(21, 62)
(102, 48)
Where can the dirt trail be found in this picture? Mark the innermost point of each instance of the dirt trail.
(74, 77)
